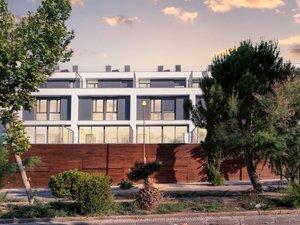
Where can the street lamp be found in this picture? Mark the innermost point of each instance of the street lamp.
(144, 104)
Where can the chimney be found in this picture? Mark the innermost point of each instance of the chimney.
(75, 68)
(56, 68)
(107, 68)
(160, 68)
(177, 68)
(127, 68)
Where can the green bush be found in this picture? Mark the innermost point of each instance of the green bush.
(92, 193)
(141, 171)
(126, 184)
(65, 185)
(291, 197)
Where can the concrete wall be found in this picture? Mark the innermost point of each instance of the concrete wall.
(180, 162)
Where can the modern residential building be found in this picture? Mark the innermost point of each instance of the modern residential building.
(115, 107)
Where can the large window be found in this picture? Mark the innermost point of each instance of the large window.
(111, 109)
(161, 134)
(49, 134)
(48, 109)
(156, 109)
(41, 109)
(98, 109)
(105, 109)
(54, 111)
(104, 134)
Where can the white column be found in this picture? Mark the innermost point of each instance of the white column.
(133, 116)
(74, 117)
(191, 125)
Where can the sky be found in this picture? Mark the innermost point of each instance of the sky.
(147, 33)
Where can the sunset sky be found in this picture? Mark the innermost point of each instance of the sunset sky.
(147, 33)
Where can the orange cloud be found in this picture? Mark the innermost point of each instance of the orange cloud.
(180, 14)
(227, 5)
(118, 20)
(77, 2)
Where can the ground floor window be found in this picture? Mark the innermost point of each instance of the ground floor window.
(49, 134)
(104, 134)
(198, 135)
(161, 134)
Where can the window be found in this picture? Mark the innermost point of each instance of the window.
(104, 134)
(54, 112)
(41, 135)
(49, 134)
(199, 134)
(98, 111)
(54, 135)
(92, 84)
(162, 134)
(196, 84)
(111, 109)
(155, 109)
(144, 83)
(41, 109)
(169, 109)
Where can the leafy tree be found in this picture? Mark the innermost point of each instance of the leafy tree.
(240, 75)
(280, 135)
(29, 51)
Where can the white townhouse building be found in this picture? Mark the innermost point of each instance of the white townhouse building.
(115, 107)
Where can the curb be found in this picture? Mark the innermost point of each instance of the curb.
(172, 217)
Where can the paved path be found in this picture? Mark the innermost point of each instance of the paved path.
(243, 218)
(229, 187)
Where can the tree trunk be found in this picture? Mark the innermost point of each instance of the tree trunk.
(248, 159)
(25, 180)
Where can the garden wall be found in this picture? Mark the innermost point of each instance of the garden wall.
(180, 162)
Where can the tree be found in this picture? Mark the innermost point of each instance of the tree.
(240, 75)
(29, 51)
(280, 133)
(208, 116)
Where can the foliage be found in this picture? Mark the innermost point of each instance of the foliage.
(65, 185)
(172, 207)
(213, 206)
(126, 184)
(92, 193)
(127, 208)
(29, 51)
(149, 197)
(281, 129)
(236, 78)
(141, 171)
(6, 168)
(255, 201)
(291, 197)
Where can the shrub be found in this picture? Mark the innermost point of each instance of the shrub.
(141, 171)
(213, 206)
(126, 184)
(64, 185)
(291, 197)
(92, 193)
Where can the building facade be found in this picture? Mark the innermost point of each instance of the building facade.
(115, 107)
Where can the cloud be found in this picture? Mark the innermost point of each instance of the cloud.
(180, 14)
(293, 40)
(295, 51)
(227, 5)
(77, 2)
(118, 20)
(297, 18)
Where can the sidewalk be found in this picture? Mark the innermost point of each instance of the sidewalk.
(203, 187)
